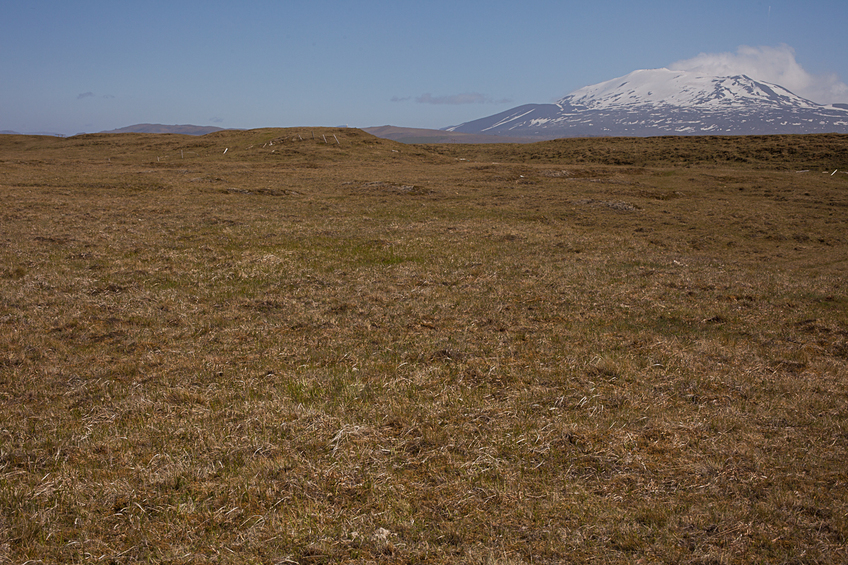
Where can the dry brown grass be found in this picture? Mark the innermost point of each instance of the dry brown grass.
(308, 352)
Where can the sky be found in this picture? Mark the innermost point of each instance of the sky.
(72, 66)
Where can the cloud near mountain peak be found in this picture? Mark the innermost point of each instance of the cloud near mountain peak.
(776, 65)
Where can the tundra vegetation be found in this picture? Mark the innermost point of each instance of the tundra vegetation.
(582, 350)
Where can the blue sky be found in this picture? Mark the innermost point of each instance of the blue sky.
(86, 66)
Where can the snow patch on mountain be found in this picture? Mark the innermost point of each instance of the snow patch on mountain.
(668, 102)
(664, 87)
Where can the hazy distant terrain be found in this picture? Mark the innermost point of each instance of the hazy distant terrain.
(420, 135)
(644, 103)
(185, 129)
(10, 132)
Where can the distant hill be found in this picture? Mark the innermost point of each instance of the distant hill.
(10, 132)
(185, 129)
(422, 135)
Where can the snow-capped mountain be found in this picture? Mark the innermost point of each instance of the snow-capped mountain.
(666, 102)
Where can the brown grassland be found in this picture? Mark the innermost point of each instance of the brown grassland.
(299, 351)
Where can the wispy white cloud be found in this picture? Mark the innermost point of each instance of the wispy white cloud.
(465, 98)
(90, 94)
(776, 65)
(453, 99)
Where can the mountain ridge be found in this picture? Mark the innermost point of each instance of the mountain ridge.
(651, 102)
